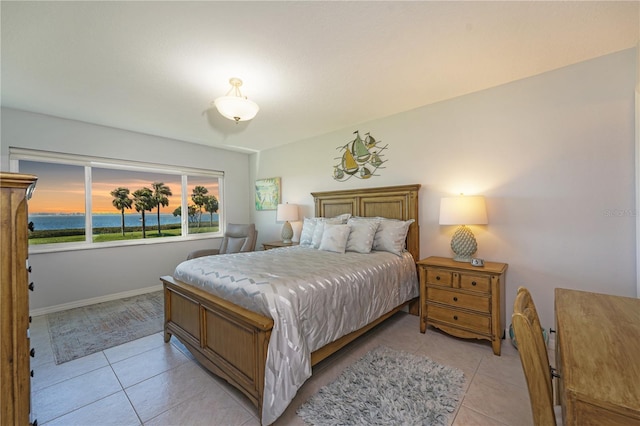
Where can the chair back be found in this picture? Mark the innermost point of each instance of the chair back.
(534, 357)
(239, 238)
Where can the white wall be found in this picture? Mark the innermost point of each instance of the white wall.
(553, 154)
(70, 276)
(638, 165)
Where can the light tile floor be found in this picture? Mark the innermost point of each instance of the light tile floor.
(150, 382)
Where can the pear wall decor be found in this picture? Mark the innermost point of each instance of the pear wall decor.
(360, 158)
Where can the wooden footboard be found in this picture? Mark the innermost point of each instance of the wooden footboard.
(228, 340)
(231, 341)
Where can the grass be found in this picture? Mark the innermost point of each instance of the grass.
(102, 237)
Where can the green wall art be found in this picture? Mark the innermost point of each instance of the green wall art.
(360, 158)
(267, 193)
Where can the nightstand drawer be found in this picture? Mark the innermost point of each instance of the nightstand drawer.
(475, 283)
(440, 277)
(459, 300)
(475, 322)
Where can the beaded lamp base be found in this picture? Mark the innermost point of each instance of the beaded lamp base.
(463, 244)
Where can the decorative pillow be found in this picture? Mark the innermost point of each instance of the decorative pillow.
(319, 229)
(343, 217)
(308, 226)
(361, 236)
(334, 237)
(391, 235)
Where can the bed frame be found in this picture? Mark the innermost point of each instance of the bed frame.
(231, 341)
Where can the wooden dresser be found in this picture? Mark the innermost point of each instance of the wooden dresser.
(15, 380)
(598, 357)
(463, 300)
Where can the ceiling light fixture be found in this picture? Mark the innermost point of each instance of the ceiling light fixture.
(234, 106)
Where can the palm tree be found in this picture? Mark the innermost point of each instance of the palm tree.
(161, 192)
(211, 206)
(191, 213)
(199, 198)
(143, 200)
(121, 201)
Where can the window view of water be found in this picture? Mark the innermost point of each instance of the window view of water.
(42, 222)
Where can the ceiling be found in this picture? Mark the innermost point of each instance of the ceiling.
(312, 67)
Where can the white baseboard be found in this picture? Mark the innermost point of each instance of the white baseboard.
(93, 300)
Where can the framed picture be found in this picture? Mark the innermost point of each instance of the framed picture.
(267, 193)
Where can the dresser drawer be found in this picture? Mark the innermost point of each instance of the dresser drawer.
(475, 283)
(475, 322)
(460, 300)
(440, 277)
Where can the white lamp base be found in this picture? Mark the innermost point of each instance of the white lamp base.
(287, 233)
(463, 244)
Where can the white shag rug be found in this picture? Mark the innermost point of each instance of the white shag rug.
(387, 387)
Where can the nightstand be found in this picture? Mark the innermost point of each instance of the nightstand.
(463, 300)
(276, 244)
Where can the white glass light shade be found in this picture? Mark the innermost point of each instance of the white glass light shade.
(463, 211)
(236, 108)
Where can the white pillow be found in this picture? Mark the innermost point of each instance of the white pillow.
(334, 237)
(319, 229)
(391, 235)
(361, 236)
(343, 217)
(308, 226)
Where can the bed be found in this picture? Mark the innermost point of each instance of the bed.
(232, 336)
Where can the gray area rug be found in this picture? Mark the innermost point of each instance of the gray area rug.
(82, 331)
(387, 387)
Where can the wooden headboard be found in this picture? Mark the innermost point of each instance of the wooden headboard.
(393, 202)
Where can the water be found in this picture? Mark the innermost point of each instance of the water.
(43, 222)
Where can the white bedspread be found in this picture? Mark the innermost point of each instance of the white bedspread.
(313, 296)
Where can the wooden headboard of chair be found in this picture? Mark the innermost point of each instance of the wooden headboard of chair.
(393, 202)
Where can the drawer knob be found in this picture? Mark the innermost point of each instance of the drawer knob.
(438, 278)
(455, 317)
(473, 283)
(31, 373)
(29, 269)
(31, 286)
(455, 299)
(32, 352)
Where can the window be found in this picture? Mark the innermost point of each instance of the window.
(128, 202)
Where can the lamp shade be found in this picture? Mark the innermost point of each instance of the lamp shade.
(236, 108)
(287, 212)
(463, 211)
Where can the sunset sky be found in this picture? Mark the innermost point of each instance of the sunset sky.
(60, 188)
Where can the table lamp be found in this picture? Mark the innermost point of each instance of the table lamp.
(463, 211)
(285, 213)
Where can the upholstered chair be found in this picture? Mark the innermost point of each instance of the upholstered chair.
(237, 238)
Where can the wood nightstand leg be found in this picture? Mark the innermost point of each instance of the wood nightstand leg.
(423, 322)
(496, 346)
